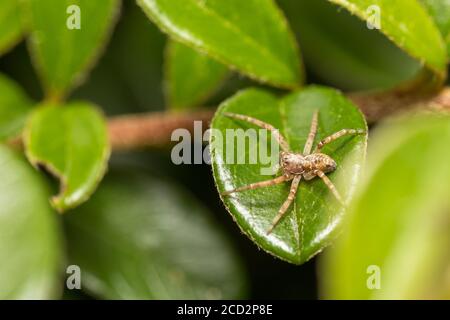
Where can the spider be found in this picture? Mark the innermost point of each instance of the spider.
(296, 166)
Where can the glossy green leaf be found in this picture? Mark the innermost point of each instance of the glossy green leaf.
(14, 108)
(72, 143)
(62, 53)
(408, 25)
(440, 11)
(399, 224)
(251, 36)
(341, 51)
(30, 249)
(11, 27)
(134, 84)
(312, 220)
(141, 237)
(191, 77)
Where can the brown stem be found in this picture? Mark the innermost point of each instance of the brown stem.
(155, 129)
(152, 129)
(441, 101)
(377, 106)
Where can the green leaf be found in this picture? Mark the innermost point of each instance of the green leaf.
(440, 11)
(400, 220)
(408, 25)
(30, 249)
(134, 84)
(141, 237)
(11, 28)
(312, 220)
(190, 77)
(63, 55)
(251, 36)
(341, 51)
(14, 108)
(72, 143)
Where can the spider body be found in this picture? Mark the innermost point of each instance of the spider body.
(295, 166)
(306, 165)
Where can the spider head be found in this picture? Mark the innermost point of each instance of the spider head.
(327, 164)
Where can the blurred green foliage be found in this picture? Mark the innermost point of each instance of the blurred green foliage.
(440, 11)
(400, 221)
(62, 49)
(14, 108)
(149, 239)
(341, 51)
(71, 142)
(190, 77)
(251, 37)
(30, 236)
(11, 26)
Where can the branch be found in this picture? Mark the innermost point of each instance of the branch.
(155, 129)
(152, 129)
(377, 106)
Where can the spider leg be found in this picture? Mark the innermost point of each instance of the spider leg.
(260, 184)
(330, 186)
(286, 204)
(312, 134)
(337, 135)
(276, 133)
